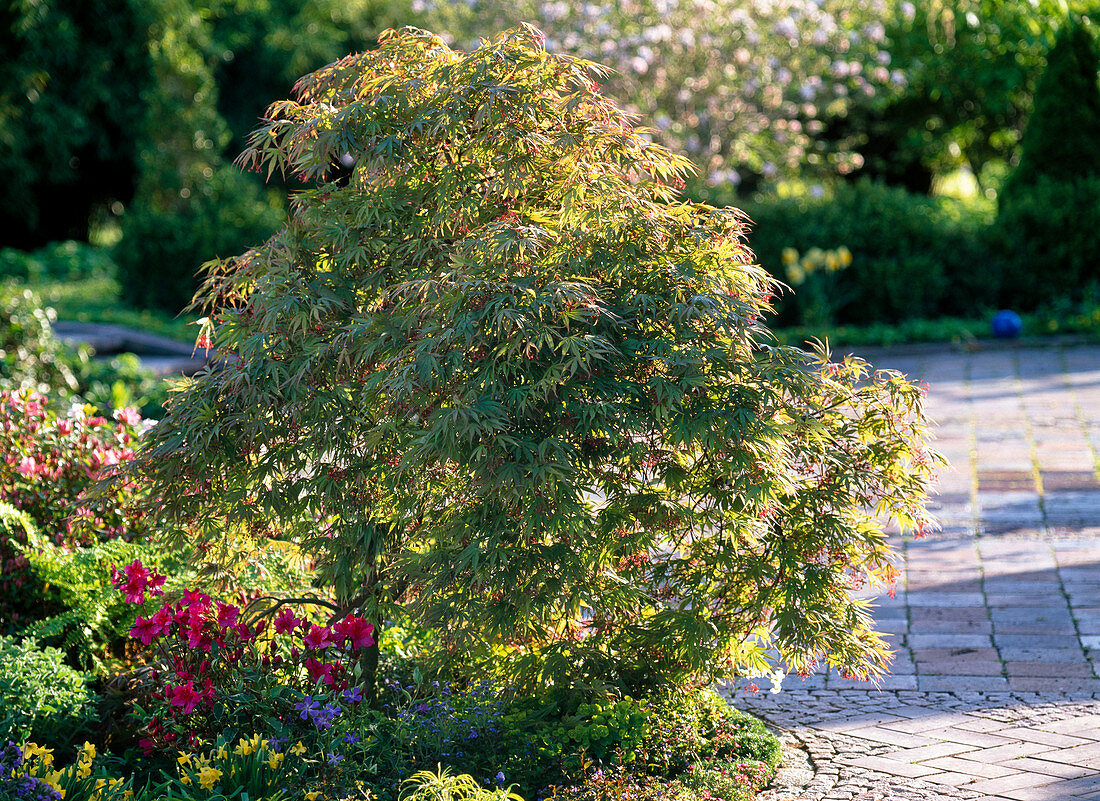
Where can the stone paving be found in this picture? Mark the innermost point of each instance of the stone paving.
(995, 690)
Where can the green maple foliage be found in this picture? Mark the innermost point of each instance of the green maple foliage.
(504, 380)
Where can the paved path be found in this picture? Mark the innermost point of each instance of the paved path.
(995, 692)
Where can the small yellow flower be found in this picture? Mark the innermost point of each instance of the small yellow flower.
(313, 795)
(275, 760)
(208, 777)
(298, 749)
(184, 759)
(790, 256)
(185, 778)
(832, 261)
(244, 748)
(844, 255)
(53, 778)
(795, 274)
(223, 753)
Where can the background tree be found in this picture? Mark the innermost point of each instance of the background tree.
(970, 68)
(72, 77)
(503, 381)
(1048, 221)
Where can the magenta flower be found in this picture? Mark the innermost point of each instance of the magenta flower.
(285, 621)
(319, 637)
(185, 696)
(227, 614)
(357, 630)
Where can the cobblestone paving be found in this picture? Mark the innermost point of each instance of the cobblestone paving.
(995, 691)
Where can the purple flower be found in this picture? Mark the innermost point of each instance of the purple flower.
(351, 738)
(335, 759)
(353, 696)
(307, 707)
(323, 717)
(500, 777)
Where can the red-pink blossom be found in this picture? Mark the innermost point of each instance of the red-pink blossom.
(286, 621)
(357, 630)
(319, 637)
(320, 671)
(129, 415)
(184, 696)
(227, 614)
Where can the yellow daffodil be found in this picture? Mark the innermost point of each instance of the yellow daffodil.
(790, 256)
(185, 778)
(313, 795)
(795, 274)
(184, 759)
(275, 760)
(87, 751)
(223, 753)
(298, 749)
(208, 777)
(844, 255)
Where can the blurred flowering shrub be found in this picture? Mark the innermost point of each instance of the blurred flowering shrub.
(738, 85)
(48, 462)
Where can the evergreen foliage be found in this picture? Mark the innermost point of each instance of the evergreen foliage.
(504, 380)
(1060, 140)
(1045, 221)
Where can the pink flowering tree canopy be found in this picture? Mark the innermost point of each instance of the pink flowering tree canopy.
(495, 375)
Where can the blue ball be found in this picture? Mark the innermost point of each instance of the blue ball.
(1007, 324)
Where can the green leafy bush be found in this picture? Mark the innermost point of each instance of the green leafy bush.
(700, 725)
(913, 256)
(58, 261)
(90, 620)
(31, 356)
(727, 781)
(1047, 223)
(505, 380)
(162, 249)
(42, 698)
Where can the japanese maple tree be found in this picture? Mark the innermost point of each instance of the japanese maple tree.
(495, 374)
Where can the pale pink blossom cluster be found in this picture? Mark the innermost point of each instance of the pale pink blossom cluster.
(736, 84)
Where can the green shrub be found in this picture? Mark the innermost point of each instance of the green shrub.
(1059, 143)
(42, 698)
(1048, 225)
(93, 621)
(1050, 235)
(701, 725)
(912, 256)
(162, 249)
(58, 261)
(727, 781)
(31, 356)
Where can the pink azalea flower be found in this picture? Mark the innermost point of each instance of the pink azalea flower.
(285, 621)
(184, 696)
(144, 630)
(27, 467)
(129, 415)
(319, 637)
(227, 614)
(320, 671)
(357, 630)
